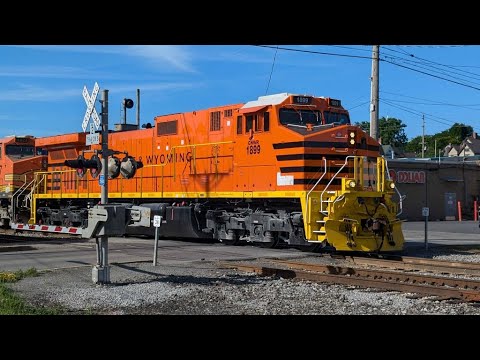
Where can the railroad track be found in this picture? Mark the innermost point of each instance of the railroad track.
(407, 263)
(402, 279)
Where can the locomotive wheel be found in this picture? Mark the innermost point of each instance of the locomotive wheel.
(232, 242)
(271, 244)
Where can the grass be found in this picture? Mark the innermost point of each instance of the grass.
(11, 304)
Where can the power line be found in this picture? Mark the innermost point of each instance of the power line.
(436, 69)
(418, 113)
(435, 76)
(315, 52)
(430, 104)
(369, 58)
(349, 47)
(354, 107)
(434, 62)
(271, 72)
(435, 101)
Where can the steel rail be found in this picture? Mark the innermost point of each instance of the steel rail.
(419, 264)
(420, 284)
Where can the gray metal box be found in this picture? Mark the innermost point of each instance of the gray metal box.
(108, 219)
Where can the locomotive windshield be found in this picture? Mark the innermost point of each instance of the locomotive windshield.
(336, 118)
(300, 117)
(19, 150)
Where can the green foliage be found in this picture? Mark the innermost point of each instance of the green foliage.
(391, 131)
(365, 125)
(436, 143)
(17, 275)
(11, 304)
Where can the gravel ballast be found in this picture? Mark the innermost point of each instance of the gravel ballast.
(194, 288)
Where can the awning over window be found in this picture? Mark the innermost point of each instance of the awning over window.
(252, 109)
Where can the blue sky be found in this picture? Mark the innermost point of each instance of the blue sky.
(41, 85)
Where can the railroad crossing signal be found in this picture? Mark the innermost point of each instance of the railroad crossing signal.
(90, 101)
(81, 164)
(127, 167)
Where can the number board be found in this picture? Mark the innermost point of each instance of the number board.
(335, 103)
(302, 100)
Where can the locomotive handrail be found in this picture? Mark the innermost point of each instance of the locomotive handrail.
(151, 166)
(400, 196)
(39, 177)
(19, 191)
(33, 208)
(172, 151)
(314, 186)
(332, 178)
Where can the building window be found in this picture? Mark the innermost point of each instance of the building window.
(228, 113)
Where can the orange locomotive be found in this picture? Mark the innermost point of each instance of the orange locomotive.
(283, 169)
(19, 158)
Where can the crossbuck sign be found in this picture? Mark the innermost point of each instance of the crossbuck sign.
(90, 101)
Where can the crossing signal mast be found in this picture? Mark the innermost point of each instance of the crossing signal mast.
(106, 219)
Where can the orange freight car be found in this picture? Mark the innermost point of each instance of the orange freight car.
(283, 169)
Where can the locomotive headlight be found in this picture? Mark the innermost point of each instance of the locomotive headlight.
(352, 183)
(351, 141)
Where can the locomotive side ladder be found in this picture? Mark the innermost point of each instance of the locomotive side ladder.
(328, 198)
(311, 204)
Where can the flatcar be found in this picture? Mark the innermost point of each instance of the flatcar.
(281, 170)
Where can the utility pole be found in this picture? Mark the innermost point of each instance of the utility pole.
(101, 271)
(423, 136)
(374, 92)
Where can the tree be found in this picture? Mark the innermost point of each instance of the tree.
(415, 146)
(365, 125)
(456, 134)
(391, 131)
(437, 142)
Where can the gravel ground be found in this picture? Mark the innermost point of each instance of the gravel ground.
(205, 288)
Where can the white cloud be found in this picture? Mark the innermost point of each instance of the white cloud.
(259, 55)
(105, 49)
(153, 87)
(176, 56)
(61, 72)
(27, 92)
